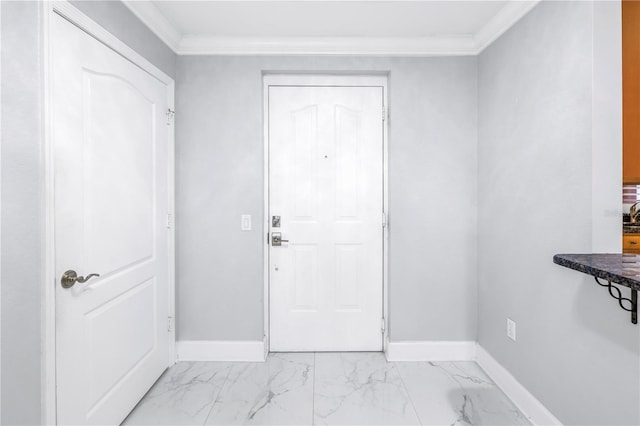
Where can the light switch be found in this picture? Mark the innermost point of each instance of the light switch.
(245, 222)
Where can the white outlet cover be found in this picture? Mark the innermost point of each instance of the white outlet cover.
(245, 222)
(511, 329)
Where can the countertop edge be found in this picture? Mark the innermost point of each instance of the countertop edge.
(563, 260)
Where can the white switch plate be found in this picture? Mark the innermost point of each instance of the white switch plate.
(511, 329)
(245, 222)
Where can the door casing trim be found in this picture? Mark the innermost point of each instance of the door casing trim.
(337, 78)
(48, 314)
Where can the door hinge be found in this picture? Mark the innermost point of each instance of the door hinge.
(170, 115)
(382, 326)
(170, 324)
(385, 113)
(169, 221)
(384, 220)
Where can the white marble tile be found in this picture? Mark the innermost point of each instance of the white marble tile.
(276, 392)
(182, 396)
(457, 393)
(360, 389)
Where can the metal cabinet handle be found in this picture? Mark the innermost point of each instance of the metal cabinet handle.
(70, 277)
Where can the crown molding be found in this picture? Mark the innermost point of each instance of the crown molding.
(156, 22)
(511, 13)
(386, 46)
(456, 45)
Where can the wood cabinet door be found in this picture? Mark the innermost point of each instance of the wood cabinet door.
(631, 91)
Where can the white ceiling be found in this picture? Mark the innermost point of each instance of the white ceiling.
(391, 27)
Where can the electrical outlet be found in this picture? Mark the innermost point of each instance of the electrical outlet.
(511, 329)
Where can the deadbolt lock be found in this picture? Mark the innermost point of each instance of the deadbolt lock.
(275, 222)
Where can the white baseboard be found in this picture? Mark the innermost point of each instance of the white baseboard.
(528, 404)
(221, 350)
(431, 351)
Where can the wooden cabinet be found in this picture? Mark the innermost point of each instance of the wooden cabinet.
(631, 91)
(631, 243)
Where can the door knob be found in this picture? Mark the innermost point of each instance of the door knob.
(70, 277)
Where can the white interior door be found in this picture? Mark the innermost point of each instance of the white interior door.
(326, 185)
(110, 143)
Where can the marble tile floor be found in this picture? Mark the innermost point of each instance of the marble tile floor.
(354, 388)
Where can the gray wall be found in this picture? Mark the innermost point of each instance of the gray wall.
(21, 212)
(543, 167)
(22, 190)
(432, 193)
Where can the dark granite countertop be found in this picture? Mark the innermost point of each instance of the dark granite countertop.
(623, 269)
(630, 229)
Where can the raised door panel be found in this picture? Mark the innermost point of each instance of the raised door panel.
(347, 142)
(305, 177)
(119, 173)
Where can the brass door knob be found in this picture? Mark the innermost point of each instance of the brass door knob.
(70, 277)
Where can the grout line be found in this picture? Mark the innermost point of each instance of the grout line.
(313, 396)
(215, 398)
(395, 365)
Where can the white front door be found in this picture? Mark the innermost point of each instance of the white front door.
(110, 143)
(326, 186)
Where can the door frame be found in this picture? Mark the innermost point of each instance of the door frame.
(49, 281)
(363, 79)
